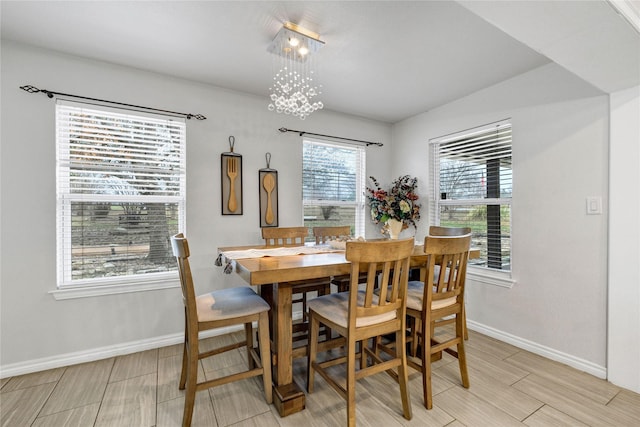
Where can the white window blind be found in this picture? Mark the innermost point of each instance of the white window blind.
(472, 186)
(121, 185)
(333, 184)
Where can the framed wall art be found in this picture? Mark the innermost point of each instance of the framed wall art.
(231, 181)
(268, 190)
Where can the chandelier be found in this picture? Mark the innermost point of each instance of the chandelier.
(294, 86)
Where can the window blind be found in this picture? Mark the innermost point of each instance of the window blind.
(472, 186)
(121, 184)
(333, 184)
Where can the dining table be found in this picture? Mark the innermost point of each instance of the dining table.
(274, 275)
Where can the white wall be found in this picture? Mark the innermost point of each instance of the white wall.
(40, 332)
(557, 307)
(560, 134)
(624, 240)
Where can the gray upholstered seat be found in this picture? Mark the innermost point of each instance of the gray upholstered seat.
(229, 304)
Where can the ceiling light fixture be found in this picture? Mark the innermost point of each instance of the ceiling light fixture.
(294, 84)
(294, 41)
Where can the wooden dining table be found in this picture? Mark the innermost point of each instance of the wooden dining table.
(273, 276)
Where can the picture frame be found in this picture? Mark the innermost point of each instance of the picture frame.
(268, 191)
(231, 183)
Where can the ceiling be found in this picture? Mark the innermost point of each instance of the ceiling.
(383, 60)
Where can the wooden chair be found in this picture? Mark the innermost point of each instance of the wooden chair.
(358, 315)
(442, 296)
(436, 230)
(295, 236)
(218, 309)
(324, 234)
(284, 236)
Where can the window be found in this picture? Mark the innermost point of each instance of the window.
(471, 187)
(120, 195)
(333, 185)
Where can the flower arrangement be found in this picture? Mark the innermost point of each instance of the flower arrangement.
(398, 203)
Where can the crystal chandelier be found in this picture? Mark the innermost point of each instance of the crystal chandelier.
(294, 85)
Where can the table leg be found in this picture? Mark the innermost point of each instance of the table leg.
(283, 333)
(266, 292)
(288, 397)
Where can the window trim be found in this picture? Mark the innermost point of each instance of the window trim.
(359, 203)
(167, 280)
(70, 289)
(487, 276)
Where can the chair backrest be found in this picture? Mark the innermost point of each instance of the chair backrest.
(322, 234)
(451, 252)
(284, 236)
(388, 260)
(436, 230)
(180, 247)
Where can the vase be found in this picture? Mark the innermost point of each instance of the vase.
(395, 227)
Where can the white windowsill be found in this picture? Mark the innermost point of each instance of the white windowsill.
(490, 277)
(119, 287)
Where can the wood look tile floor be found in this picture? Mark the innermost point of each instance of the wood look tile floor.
(509, 387)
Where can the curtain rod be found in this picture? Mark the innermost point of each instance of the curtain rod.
(301, 132)
(51, 94)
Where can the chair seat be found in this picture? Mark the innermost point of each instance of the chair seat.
(229, 304)
(415, 294)
(336, 307)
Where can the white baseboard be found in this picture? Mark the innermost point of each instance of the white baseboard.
(36, 365)
(91, 355)
(550, 353)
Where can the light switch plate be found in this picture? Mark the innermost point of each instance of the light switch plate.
(594, 205)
